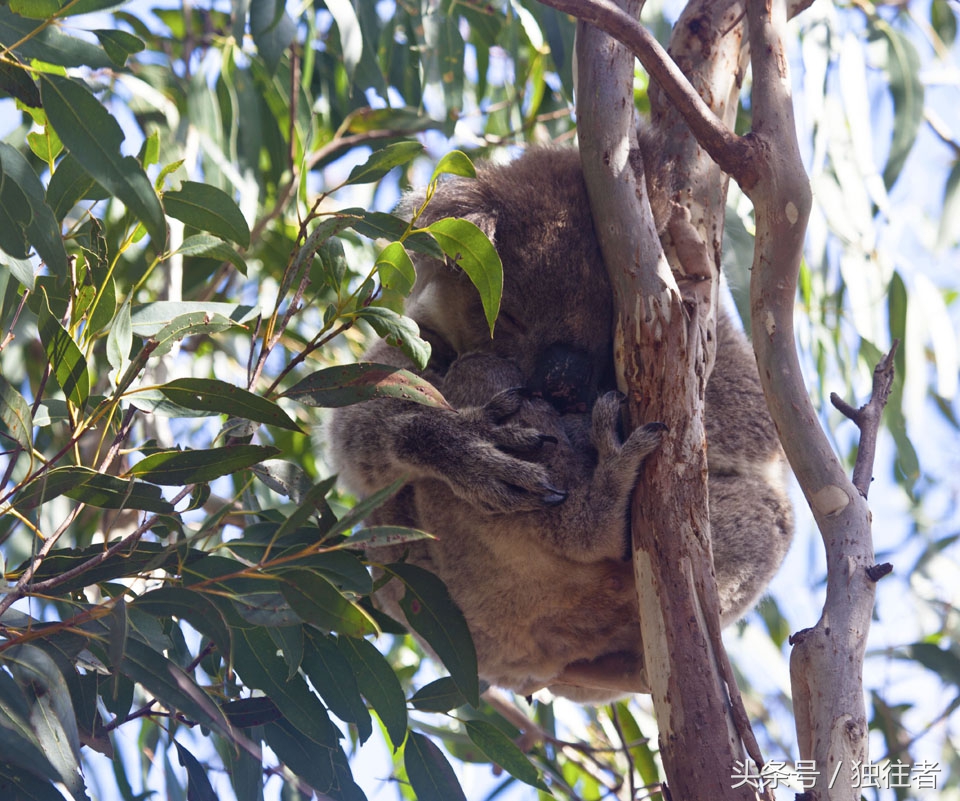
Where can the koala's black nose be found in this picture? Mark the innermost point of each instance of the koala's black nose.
(564, 377)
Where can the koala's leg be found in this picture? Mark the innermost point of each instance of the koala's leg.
(477, 454)
(592, 523)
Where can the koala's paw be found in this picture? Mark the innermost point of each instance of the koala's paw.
(605, 422)
(490, 465)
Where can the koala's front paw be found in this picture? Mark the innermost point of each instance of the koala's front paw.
(605, 423)
(482, 461)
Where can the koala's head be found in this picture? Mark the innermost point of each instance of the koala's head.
(536, 213)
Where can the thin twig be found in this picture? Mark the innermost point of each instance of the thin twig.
(867, 419)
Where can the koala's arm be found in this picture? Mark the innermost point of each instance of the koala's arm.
(481, 459)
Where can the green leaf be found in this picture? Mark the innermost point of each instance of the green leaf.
(28, 787)
(351, 36)
(430, 774)
(440, 695)
(311, 763)
(257, 662)
(119, 45)
(380, 536)
(198, 785)
(48, 43)
(949, 231)
(42, 229)
(173, 687)
(92, 488)
(16, 416)
(378, 684)
(331, 675)
(64, 356)
(211, 247)
(18, 741)
(209, 209)
(395, 268)
(16, 82)
(21, 269)
(69, 184)
(398, 331)
(45, 144)
(151, 318)
(219, 397)
(431, 612)
(314, 598)
(120, 339)
(456, 162)
(382, 161)
(501, 750)
(465, 244)
(194, 607)
(347, 384)
(906, 87)
(178, 468)
(272, 30)
(142, 558)
(94, 137)
(52, 717)
(189, 325)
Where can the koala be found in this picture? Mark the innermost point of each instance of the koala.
(525, 482)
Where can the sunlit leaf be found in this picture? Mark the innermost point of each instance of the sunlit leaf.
(469, 248)
(92, 488)
(383, 160)
(209, 209)
(219, 397)
(177, 468)
(501, 751)
(64, 356)
(346, 384)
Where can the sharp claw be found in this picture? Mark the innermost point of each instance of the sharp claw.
(554, 497)
(545, 438)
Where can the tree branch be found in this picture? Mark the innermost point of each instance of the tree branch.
(867, 419)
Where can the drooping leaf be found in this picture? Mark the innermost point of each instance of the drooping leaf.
(906, 87)
(502, 751)
(465, 244)
(209, 209)
(219, 397)
(198, 785)
(329, 672)
(395, 268)
(314, 598)
(178, 468)
(351, 36)
(383, 160)
(257, 662)
(311, 761)
(431, 612)
(399, 331)
(344, 385)
(429, 772)
(52, 717)
(64, 356)
(16, 415)
(378, 684)
(42, 229)
(69, 184)
(171, 685)
(94, 137)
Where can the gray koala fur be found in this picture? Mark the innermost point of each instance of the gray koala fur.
(528, 495)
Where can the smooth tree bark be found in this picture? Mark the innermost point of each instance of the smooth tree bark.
(663, 347)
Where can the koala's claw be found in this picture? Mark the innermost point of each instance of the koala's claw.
(554, 497)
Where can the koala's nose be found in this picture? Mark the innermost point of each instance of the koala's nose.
(564, 377)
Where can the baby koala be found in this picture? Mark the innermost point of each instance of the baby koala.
(534, 586)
